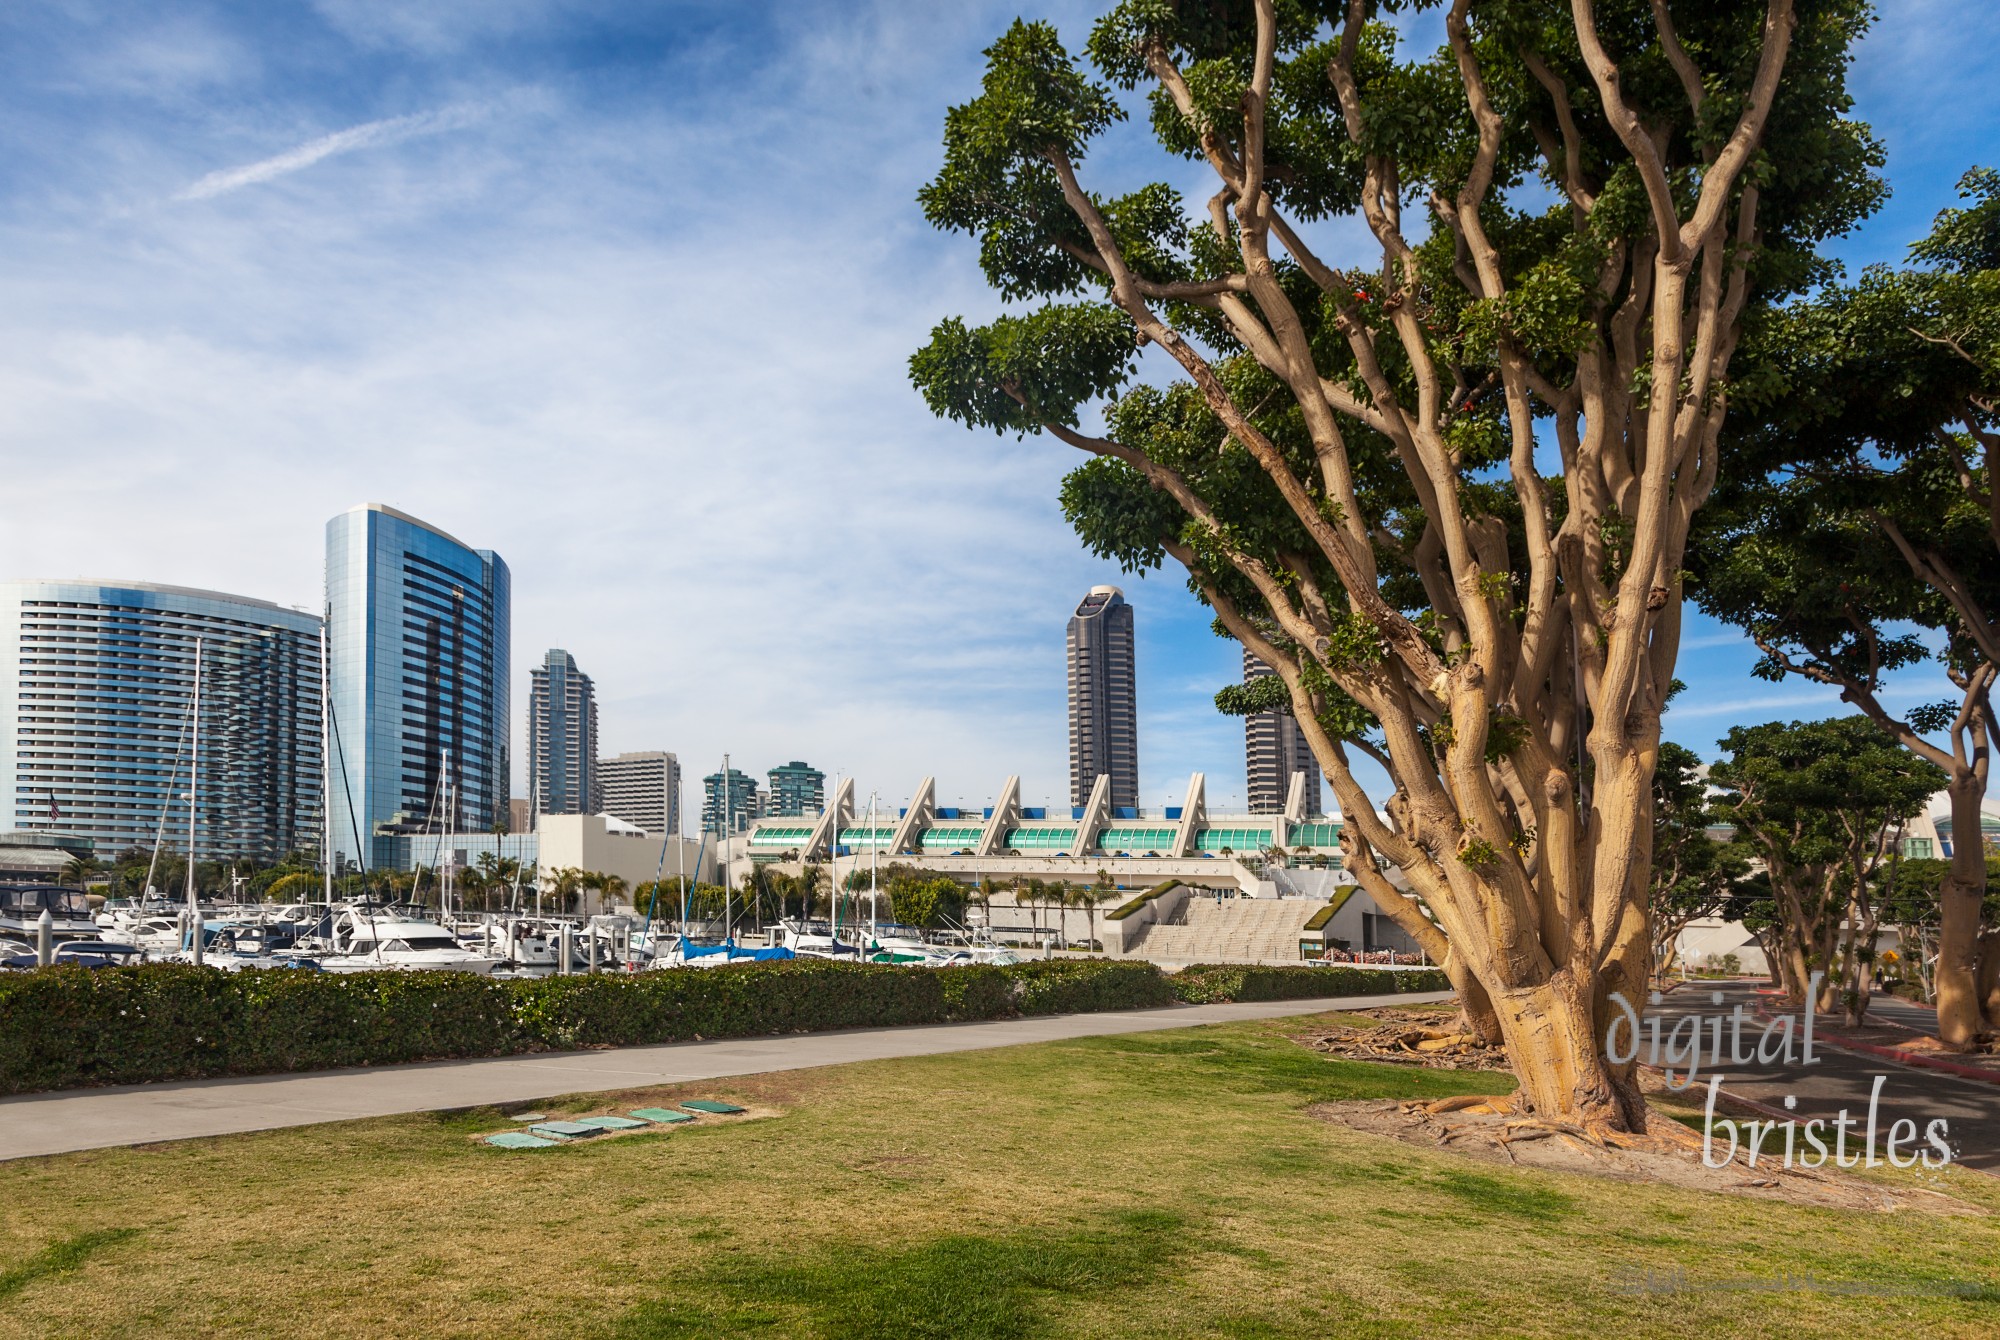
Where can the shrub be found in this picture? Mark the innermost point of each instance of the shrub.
(1072, 986)
(740, 1000)
(66, 1026)
(1213, 983)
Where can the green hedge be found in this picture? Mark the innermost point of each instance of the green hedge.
(1211, 983)
(66, 1026)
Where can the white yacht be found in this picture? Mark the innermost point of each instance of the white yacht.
(21, 908)
(365, 941)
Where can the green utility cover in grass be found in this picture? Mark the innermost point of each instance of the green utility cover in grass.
(610, 1123)
(710, 1105)
(564, 1130)
(660, 1114)
(520, 1140)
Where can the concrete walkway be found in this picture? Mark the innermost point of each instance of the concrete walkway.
(74, 1119)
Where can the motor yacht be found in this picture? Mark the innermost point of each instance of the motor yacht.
(22, 905)
(367, 941)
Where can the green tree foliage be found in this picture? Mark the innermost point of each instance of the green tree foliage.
(1694, 874)
(1339, 444)
(1863, 536)
(1912, 897)
(929, 902)
(1820, 803)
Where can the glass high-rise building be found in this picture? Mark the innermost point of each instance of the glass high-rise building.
(797, 788)
(96, 685)
(1274, 748)
(562, 738)
(730, 809)
(417, 638)
(1103, 699)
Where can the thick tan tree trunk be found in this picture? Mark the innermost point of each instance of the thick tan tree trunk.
(1554, 1045)
(1960, 1003)
(1989, 976)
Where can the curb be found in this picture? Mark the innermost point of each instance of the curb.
(1916, 1060)
(1913, 1060)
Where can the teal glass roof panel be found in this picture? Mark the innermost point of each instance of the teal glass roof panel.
(1121, 837)
(866, 837)
(780, 837)
(1236, 839)
(1315, 835)
(1042, 839)
(953, 835)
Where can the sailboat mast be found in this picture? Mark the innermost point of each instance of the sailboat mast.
(444, 852)
(722, 842)
(723, 845)
(325, 769)
(680, 851)
(833, 867)
(194, 804)
(874, 861)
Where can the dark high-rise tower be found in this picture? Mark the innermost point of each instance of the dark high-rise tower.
(1274, 748)
(1103, 699)
(562, 738)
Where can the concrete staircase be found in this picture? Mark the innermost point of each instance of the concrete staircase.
(1235, 930)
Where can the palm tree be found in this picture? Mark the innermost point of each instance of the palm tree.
(562, 885)
(77, 869)
(986, 891)
(1102, 892)
(610, 889)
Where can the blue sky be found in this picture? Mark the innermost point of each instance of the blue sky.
(624, 291)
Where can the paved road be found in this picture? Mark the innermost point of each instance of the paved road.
(1887, 1009)
(1842, 1080)
(60, 1123)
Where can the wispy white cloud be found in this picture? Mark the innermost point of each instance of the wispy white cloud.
(368, 135)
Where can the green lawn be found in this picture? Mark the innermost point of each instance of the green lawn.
(1157, 1185)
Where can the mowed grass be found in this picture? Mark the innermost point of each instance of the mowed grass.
(1164, 1184)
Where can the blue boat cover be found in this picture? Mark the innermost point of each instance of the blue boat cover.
(735, 952)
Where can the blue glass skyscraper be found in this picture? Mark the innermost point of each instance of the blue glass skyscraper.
(417, 647)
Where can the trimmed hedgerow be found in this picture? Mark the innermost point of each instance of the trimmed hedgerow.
(1213, 983)
(67, 1026)
(1086, 986)
(740, 1000)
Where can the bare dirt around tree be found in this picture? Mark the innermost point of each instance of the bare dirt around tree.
(1490, 1130)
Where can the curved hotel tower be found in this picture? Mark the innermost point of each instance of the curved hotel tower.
(417, 638)
(96, 681)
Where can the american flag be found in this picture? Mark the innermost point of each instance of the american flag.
(55, 814)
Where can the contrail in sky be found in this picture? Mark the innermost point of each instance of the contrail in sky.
(368, 135)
